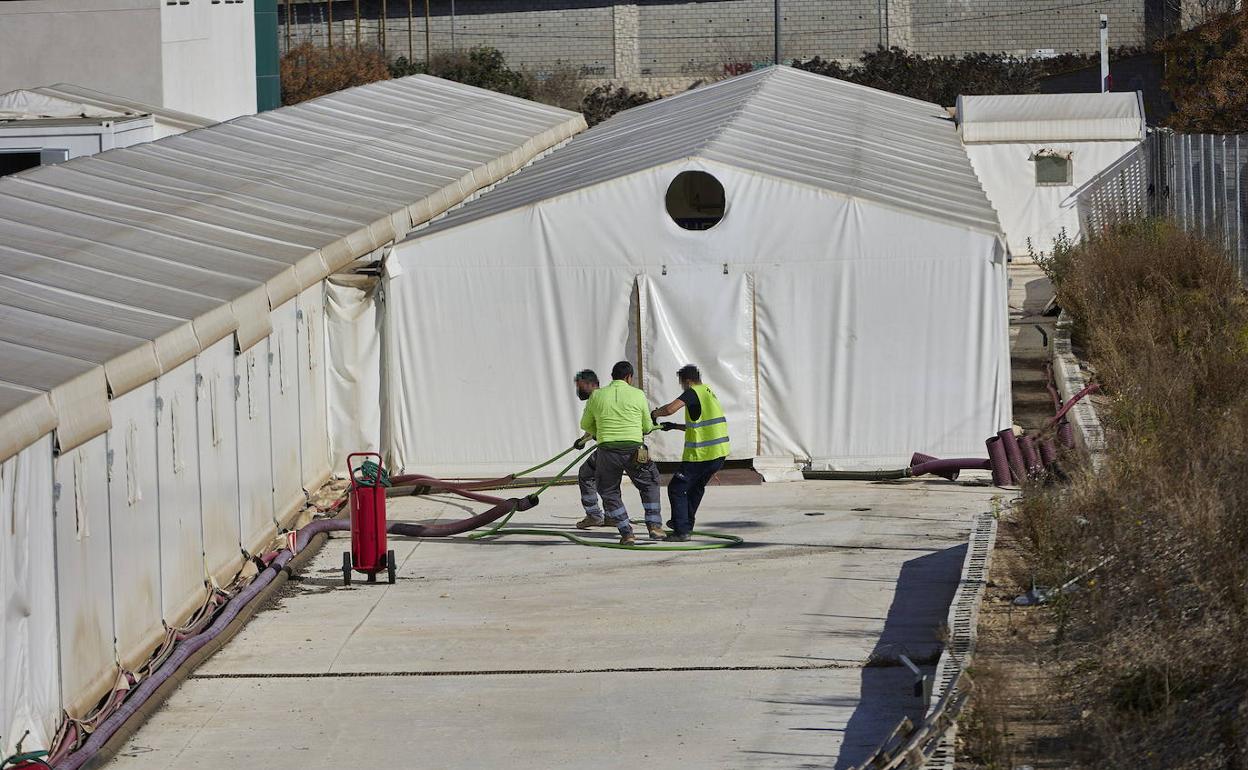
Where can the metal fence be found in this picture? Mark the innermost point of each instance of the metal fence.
(1198, 180)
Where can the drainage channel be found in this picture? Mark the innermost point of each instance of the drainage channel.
(835, 665)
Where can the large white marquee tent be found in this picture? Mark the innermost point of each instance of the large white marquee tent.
(849, 308)
(163, 367)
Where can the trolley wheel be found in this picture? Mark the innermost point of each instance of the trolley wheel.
(346, 568)
(390, 566)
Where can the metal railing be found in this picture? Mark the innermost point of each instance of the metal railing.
(1198, 180)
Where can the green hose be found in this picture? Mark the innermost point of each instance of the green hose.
(499, 530)
(729, 540)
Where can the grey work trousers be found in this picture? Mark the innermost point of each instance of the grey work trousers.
(612, 464)
(586, 480)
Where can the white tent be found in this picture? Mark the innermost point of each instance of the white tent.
(162, 332)
(849, 308)
(1033, 153)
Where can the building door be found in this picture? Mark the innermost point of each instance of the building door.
(700, 315)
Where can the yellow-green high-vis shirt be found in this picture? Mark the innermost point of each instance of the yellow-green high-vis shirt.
(617, 416)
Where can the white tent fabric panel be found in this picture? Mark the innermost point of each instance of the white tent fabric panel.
(29, 668)
(84, 584)
(353, 367)
(313, 410)
(517, 288)
(685, 314)
(1051, 117)
(1039, 212)
(218, 460)
(134, 515)
(861, 363)
(283, 387)
(456, 335)
(181, 534)
(255, 442)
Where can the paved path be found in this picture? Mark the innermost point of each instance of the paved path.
(525, 652)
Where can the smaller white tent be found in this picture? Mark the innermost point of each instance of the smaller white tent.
(822, 250)
(1034, 152)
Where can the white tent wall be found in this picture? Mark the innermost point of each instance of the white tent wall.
(697, 308)
(84, 584)
(284, 413)
(181, 530)
(255, 446)
(353, 370)
(29, 668)
(458, 336)
(1039, 212)
(313, 409)
(134, 515)
(218, 460)
(879, 332)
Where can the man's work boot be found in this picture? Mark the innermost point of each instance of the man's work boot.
(676, 537)
(590, 521)
(628, 538)
(656, 531)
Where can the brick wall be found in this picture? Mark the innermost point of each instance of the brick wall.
(671, 40)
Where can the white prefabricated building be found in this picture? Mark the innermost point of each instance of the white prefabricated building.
(1035, 152)
(163, 357)
(822, 251)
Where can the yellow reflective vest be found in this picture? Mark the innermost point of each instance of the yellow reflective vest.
(706, 439)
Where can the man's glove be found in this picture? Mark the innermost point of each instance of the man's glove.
(654, 416)
(669, 426)
(580, 442)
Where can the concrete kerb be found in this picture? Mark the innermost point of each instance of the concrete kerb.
(1069, 373)
(962, 624)
(127, 730)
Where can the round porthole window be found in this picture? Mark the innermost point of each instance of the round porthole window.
(695, 200)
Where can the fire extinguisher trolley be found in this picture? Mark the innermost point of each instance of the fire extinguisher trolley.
(368, 554)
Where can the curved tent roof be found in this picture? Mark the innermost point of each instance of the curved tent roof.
(781, 122)
(119, 266)
(1051, 117)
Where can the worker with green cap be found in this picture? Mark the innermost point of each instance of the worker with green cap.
(618, 418)
(706, 448)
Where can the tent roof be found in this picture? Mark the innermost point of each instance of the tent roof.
(781, 122)
(1051, 117)
(119, 266)
(65, 101)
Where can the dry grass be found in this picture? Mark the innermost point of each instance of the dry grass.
(1153, 649)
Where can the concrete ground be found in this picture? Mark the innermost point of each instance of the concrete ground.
(530, 652)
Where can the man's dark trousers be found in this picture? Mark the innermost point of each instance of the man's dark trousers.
(685, 490)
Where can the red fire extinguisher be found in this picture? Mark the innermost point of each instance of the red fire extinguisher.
(368, 553)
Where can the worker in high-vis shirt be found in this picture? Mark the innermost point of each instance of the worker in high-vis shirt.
(706, 448)
(618, 418)
(586, 382)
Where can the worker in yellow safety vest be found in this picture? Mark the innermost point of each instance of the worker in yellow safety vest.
(706, 448)
(616, 417)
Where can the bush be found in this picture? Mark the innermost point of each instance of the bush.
(309, 71)
(1159, 634)
(1207, 76)
(559, 87)
(605, 101)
